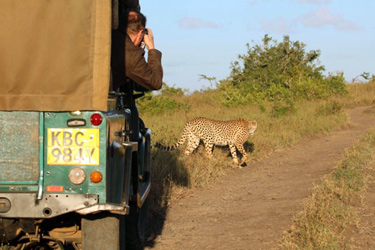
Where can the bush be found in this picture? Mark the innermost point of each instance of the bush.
(164, 102)
(283, 109)
(172, 91)
(278, 72)
(159, 105)
(330, 108)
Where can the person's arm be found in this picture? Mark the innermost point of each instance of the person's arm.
(147, 74)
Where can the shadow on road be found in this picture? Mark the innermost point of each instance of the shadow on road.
(167, 169)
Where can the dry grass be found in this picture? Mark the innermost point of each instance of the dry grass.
(332, 206)
(175, 174)
(359, 95)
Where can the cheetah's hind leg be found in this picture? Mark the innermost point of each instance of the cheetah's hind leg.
(193, 143)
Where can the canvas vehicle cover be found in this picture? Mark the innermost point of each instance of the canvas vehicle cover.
(55, 55)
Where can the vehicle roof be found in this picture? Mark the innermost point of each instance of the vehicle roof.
(55, 55)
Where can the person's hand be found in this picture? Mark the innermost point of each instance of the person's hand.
(148, 40)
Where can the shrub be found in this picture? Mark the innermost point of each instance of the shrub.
(172, 91)
(158, 104)
(278, 72)
(331, 108)
(282, 109)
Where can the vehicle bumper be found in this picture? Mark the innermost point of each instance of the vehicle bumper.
(26, 205)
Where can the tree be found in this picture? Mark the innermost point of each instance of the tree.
(275, 72)
(366, 76)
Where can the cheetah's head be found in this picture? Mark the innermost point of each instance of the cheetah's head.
(253, 125)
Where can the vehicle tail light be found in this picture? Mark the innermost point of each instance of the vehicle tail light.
(96, 177)
(77, 176)
(96, 119)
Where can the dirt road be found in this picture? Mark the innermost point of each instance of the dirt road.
(250, 208)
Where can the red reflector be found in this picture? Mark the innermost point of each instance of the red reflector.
(96, 119)
(55, 189)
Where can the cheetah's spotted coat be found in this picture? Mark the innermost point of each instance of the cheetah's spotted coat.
(233, 133)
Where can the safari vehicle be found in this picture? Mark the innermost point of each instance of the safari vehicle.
(74, 156)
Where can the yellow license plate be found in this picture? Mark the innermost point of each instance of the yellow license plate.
(70, 146)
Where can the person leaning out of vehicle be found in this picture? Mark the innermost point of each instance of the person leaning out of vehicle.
(147, 74)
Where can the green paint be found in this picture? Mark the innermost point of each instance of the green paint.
(57, 175)
(23, 151)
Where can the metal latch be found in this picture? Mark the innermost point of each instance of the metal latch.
(4, 205)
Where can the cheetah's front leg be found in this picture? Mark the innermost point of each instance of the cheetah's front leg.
(243, 152)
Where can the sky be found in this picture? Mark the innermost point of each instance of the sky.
(203, 37)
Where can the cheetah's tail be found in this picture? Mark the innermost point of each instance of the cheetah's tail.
(167, 148)
(174, 146)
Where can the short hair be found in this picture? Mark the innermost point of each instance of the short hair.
(136, 21)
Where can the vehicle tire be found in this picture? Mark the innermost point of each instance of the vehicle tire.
(44, 245)
(37, 246)
(103, 231)
(135, 226)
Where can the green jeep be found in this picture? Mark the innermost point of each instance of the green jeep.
(74, 156)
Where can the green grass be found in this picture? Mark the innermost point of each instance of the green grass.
(333, 205)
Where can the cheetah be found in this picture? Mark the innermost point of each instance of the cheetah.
(233, 133)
